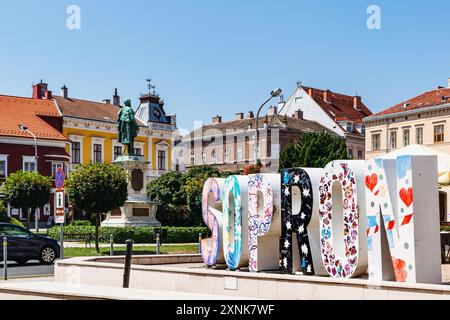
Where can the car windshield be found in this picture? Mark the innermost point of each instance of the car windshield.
(13, 231)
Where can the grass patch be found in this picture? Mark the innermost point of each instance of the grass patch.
(138, 250)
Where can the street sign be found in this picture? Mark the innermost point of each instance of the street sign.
(59, 179)
(59, 207)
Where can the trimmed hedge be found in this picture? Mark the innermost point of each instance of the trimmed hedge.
(138, 234)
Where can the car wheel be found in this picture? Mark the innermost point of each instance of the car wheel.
(47, 255)
(21, 262)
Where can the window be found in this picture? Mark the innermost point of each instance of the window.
(360, 154)
(419, 135)
(138, 151)
(76, 152)
(203, 157)
(55, 167)
(97, 153)
(405, 137)
(226, 155)
(14, 231)
(350, 153)
(2, 168)
(376, 143)
(239, 153)
(161, 160)
(29, 164)
(439, 134)
(393, 139)
(117, 152)
(214, 156)
(192, 158)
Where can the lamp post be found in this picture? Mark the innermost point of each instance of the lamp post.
(24, 128)
(275, 93)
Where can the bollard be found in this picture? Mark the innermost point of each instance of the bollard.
(5, 258)
(111, 245)
(200, 242)
(127, 268)
(158, 243)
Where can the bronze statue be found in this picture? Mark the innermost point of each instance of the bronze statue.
(128, 128)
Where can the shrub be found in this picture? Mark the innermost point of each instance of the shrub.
(12, 220)
(81, 223)
(138, 234)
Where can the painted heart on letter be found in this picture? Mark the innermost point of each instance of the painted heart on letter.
(371, 181)
(406, 196)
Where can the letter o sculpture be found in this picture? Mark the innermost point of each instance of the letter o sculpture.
(339, 266)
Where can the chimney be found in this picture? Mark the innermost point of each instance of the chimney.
(65, 92)
(107, 101)
(298, 114)
(311, 91)
(39, 90)
(357, 102)
(116, 98)
(327, 96)
(239, 116)
(250, 115)
(217, 119)
(48, 95)
(272, 111)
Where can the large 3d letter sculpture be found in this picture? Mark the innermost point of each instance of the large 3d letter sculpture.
(405, 193)
(211, 248)
(296, 220)
(264, 221)
(342, 258)
(234, 199)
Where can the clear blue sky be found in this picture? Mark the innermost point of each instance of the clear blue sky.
(221, 57)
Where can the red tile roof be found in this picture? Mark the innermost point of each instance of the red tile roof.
(428, 99)
(29, 112)
(86, 109)
(339, 106)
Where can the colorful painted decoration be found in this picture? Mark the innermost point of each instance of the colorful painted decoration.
(339, 266)
(388, 177)
(261, 215)
(235, 246)
(296, 222)
(211, 248)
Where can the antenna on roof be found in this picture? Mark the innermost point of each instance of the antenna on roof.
(299, 83)
(151, 87)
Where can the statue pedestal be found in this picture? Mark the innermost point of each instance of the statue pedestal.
(138, 210)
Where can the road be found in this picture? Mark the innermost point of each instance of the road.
(32, 268)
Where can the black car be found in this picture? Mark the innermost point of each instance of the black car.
(23, 245)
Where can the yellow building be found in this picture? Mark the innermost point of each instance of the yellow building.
(92, 130)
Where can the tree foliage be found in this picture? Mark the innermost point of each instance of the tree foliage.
(313, 150)
(97, 188)
(179, 195)
(27, 191)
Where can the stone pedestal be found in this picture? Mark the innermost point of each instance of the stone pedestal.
(138, 210)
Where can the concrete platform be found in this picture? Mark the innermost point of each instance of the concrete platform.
(186, 273)
(47, 290)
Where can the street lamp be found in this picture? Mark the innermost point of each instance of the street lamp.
(24, 128)
(275, 93)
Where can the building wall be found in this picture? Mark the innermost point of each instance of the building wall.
(15, 153)
(426, 120)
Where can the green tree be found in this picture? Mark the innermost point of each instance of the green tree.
(179, 195)
(96, 189)
(3, 209)
(27, 191)
(313, 150)
(195, 180)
